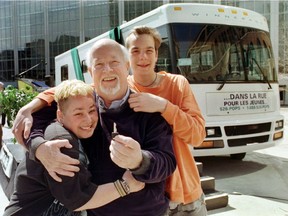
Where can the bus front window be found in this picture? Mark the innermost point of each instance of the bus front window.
(215, 53)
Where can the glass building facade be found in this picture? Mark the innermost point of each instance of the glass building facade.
(33, 32)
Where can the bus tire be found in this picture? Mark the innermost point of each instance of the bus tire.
(239, 156)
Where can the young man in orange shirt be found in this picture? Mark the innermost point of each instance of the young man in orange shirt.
(172, 96)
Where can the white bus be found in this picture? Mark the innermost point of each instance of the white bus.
(226, 55)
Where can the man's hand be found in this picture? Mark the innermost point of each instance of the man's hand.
(56, 162)
(22, 125)
(125, 152)
(146, 102)
(23, 121)
(132, 182)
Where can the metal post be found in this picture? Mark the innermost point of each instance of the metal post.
(274, 29)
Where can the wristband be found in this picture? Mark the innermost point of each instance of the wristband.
(122, 187)
(125, 186)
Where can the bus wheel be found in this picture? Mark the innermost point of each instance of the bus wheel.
(238, 156)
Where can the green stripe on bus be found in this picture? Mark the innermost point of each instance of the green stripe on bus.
(77, 64)
(116, 35)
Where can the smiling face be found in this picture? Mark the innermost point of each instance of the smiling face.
(142, 53)
(109, 70)
(79, 115)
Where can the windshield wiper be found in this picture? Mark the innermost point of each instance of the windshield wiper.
(223, 82)
(265, 78)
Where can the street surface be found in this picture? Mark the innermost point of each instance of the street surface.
(257, 186)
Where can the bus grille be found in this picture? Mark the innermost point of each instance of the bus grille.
(247, 129)
(245, 141)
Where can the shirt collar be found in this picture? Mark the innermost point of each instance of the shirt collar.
(115, 104)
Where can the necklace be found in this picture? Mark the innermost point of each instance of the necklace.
(150, 83)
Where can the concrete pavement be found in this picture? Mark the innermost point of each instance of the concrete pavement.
(256, 186)
(7, 134)
(245, 205)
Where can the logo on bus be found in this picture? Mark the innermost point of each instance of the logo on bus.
(238, 103)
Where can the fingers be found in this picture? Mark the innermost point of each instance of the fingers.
(55, 161)
(64, 172)
(60, 172)
(127, 142)
(134, 101)
(21, 128)
(18, 136)
(62, 169)
(55, 177)
(66, 162)
(134, 95)
(119, 150)
(63, 158)
(61, 143)
(17, 132)
(118, 157)
(63, 161)
(125, 152)
(69, 170)
(143, 102)
(27, 129)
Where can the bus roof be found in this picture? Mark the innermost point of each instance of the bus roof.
(188, 13)
(201, 13)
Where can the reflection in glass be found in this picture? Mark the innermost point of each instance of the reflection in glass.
(217, 53)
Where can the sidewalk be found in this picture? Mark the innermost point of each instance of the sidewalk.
(268, 185)
(7, 134)
(244, 205)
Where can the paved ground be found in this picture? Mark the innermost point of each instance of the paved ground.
(258, 185)
(3, 200)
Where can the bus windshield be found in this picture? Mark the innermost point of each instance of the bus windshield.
(218, 53)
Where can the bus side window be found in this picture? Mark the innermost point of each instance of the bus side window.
(84, 66)
(64, 72)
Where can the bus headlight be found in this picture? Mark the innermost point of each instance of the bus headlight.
(213, 132)
(279, 124)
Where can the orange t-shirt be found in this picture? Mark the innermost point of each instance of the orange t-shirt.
(184, 116)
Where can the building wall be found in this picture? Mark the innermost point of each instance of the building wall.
(34, 32)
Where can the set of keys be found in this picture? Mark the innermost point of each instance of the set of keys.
(114, 132)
